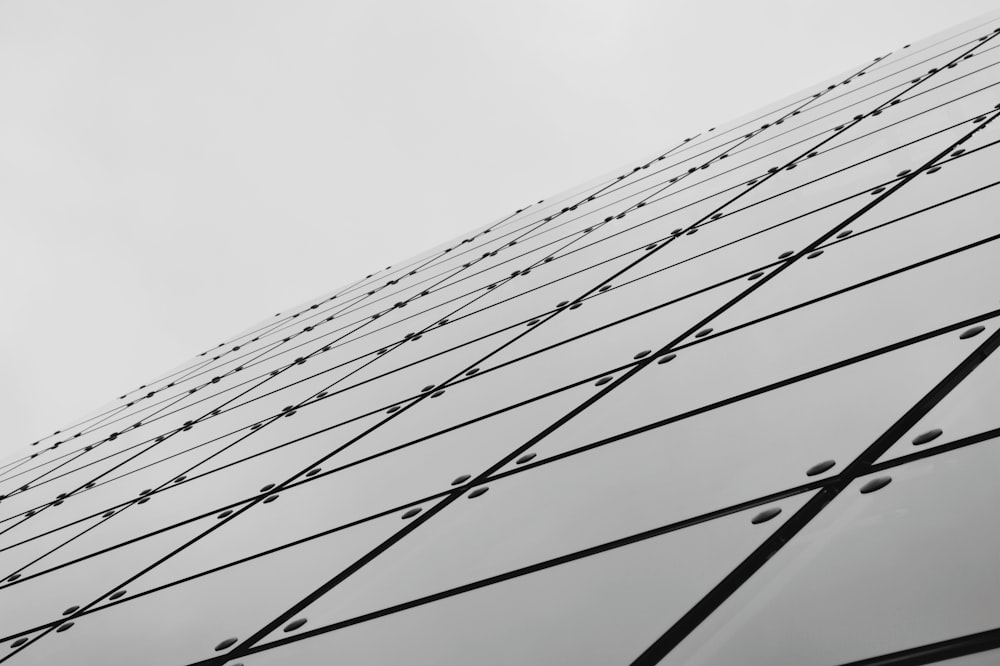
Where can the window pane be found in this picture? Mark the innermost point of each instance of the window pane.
(602, 609)
(873, 573)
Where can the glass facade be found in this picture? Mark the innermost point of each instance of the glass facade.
(738, 403)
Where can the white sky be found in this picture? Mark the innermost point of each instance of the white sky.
(172, 172)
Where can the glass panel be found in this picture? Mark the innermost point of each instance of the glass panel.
(606, 348)
(388, 386)
(860, 165)
(630, 184)
(742, 241)
(969, 409)
(946, 87)
(828, 331)
(948, 99)
(44, 465)
(957, 176)
(306, 436)
(232, 602)
(651, 224)
(358, 491)
(522, 520)
(33, 601)
(965, 32)
(504, 431)
(363, 338)
(563, 365)
(686, 265)
(16, 557)
(572, 229)
(140, 439)
(878, 253)
(873, 573)
(116, 488)
(296, 381)
(771, 438)
(91, 487)
(172, 502)
(31, 490)
(539, 293)
(601, 609)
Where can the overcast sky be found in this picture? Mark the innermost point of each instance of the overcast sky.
(171, 172)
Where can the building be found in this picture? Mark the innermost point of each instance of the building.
(735, 404)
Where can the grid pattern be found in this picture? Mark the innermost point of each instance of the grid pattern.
(733, 405)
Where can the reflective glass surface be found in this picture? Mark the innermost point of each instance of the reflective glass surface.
(594, 610)
(906, 565)
(732, 402)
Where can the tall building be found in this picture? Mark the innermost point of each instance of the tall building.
(736, 404)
